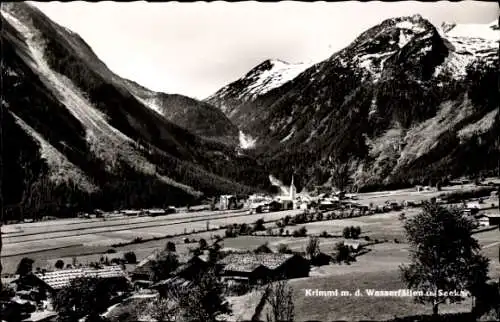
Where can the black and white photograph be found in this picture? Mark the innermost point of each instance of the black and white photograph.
(250, 161)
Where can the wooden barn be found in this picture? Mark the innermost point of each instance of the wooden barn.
(189, 266)
(260, 268)
(57, 280)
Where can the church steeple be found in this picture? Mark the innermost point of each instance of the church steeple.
(293, 190)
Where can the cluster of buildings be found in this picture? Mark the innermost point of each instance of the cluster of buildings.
(130, 213)
(290, 199)
(253, 268)
(247, 268)
(483, 219)
(34, 293)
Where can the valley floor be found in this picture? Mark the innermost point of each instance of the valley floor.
(86, 240)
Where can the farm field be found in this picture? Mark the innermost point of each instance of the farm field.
(377, 226)
(48, 240)
(105, 233)
(380, 197)
(88, 239)
(358, 308)
(379, 270)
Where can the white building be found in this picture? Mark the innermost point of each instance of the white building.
(291, 197)
(483, 221)
(473, 205)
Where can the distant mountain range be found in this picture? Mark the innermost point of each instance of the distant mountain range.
(405, 102)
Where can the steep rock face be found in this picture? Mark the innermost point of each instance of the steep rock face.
(367, 104)
(86, 139)
(198, 117)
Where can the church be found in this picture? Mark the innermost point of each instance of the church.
(289, 201)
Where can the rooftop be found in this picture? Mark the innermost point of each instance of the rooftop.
(249, 262)
(173, 282)
(41, 316)
(144, 266)
(59, 279)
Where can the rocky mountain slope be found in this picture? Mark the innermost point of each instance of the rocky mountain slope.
(405, 102)
(74, 133)
(198, 117)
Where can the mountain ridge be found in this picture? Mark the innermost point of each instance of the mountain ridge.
(398, 76)
(104, 136)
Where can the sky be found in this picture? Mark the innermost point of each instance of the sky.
(196, 48)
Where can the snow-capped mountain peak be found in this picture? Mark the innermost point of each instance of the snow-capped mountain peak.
(470, 42)
(374, 47)
(261, 79)
(271, 74)
(484, 31)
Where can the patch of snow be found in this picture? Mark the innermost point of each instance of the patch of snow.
(289, 136)
(468, 50)
(311, 135)
(367, 62)
(410, 26)
(484, 31)
(403, 39)
(246, 141)
(279, 74)
(471, 42)
(373, 106)
(151, 103)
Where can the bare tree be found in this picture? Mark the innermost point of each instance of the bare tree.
(312, 248)
(280, 299)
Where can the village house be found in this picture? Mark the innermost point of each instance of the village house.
(483, 221)
(57, 280)
(183, 276)
(354, 245)
(487, 220)
(257, 202)
(227, 202)
(130, 212)
(35, 292)
(155, 212)
(473, 205)
(191, 267)
(188, 267)
(259, 268)
(142, 271)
